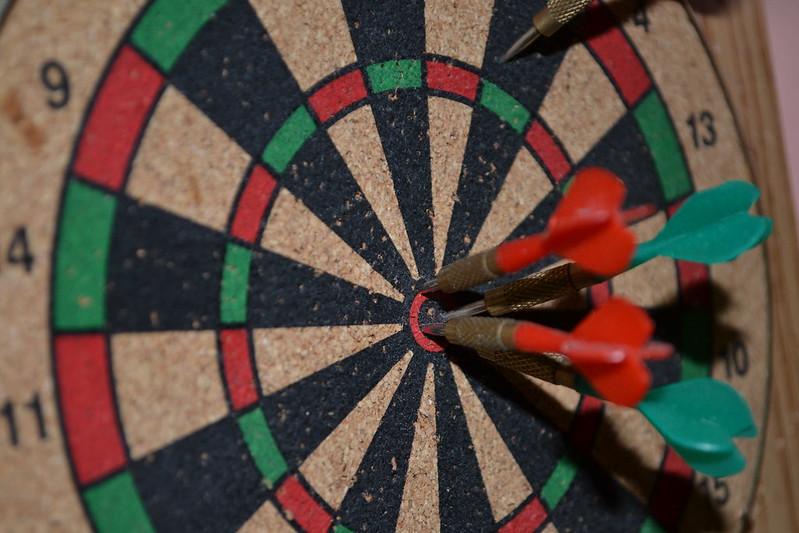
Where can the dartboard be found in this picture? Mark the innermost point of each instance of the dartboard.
(227, 207)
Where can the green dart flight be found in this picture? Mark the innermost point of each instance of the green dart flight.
(712, 226)
(699, 418)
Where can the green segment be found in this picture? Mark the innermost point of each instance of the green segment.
(81, 258)
(402, 74)
(696, 343)
(288, 139)
(650, 526)
(338, 528)
(559, 481)
(169, 25)
(115, 506)
(662, 140)
(504, 105)
(235, 283)
(262, 446)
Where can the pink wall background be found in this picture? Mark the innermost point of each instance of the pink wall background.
(782, 19)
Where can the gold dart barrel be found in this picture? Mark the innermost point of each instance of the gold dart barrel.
(539, 366)
(480, 333)
(544, 286)
(468, 272)
(557, 14)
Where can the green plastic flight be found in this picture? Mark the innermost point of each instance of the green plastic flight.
(699, 418)
(712, 226)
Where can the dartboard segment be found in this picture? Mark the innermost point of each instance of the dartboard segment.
(162, 376)
(202, 170)
(375, 497)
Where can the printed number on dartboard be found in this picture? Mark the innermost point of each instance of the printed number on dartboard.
(736, 359)
(18, 250)
(12, 413)
(703, 129)
(641, 17)
(55, 79)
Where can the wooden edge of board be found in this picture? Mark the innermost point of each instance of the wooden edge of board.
(735, 33)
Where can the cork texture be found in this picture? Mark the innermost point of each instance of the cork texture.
(363, 425)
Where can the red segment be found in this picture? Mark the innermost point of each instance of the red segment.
(305, 510)
(253, 203)
(421, 339)
(672, 490)
(694, 284)
(586, 423)
(616, 54)
(87, 405)
(694, 278)
(528, 519)
(544, 145)
(117, 119)
(239, 375)
(338, 94)
(452, 79)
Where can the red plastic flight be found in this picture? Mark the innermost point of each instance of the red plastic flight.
(607, 348)
(587, 227)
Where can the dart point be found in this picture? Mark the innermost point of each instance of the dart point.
(521, 44)
(428, 285)
(434, 329)
(474, 308)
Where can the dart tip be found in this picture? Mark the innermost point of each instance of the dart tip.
(474, 308)
(428, 285)
(521, 44)
(434, 329)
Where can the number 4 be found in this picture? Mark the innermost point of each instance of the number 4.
(19, 252)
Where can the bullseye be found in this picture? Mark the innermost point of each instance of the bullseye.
(413, 319)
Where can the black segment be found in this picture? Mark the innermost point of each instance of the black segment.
(528, 77)
(395, 30)
(624, 151)
(490, 151)
(322, 180)
(284, 293)
(534, 443)
(391, 29)
(403, 123)
(463, 502)
(203, 482)
(373, 502)
(164, 271)
(302, 415)
(492, 144)
(233, 72)
(596, 502)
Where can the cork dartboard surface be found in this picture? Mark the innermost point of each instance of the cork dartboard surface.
(214, 217)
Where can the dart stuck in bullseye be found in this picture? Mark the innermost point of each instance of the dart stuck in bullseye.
(607, 348)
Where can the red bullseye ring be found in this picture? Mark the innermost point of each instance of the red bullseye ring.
(413, 319)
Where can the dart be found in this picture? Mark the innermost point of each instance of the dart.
(587, 227)
(699, 417)
(712, 226)
(546, 22)
(609, 357)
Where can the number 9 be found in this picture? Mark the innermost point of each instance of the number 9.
(54, 78)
